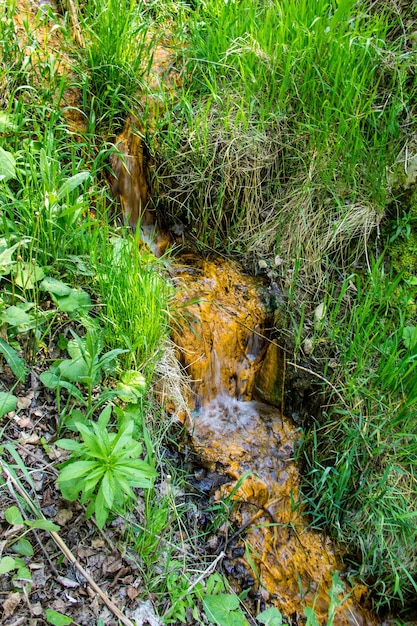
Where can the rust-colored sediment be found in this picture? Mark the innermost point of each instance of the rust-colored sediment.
(221, 347)
(221, 340)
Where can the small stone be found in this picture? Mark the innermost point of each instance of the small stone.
(307, 346)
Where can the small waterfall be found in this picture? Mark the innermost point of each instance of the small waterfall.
(221, 346)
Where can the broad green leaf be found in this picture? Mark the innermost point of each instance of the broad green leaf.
(122, 485)
(74, 348)
(123, 438)
(8, 403)
(105, 416)
(409, 336)
(91, 482)
(6, 122)
(62, 342)
(54, 286)
(103, 439)
(44, 524)
(131, 386)
(270, 617)
(15, 362)
(101, 509)
(107, 358)
(94, 444)
(15, 316)
(73, 370)
(7, 564)
(311, 616)
(128, 394)
(57, 619)
(76, 470)
(72, 183)
(23, 547)
(68, 444)
(13, 516)
(6, 261)
(71, 420)
(7, 165)
(108, 488)
(52, 381)
(223, 609)
(27, 275)
(140, 475)
(70, 489)
(76, 300)
(134, 379)
(23, 574)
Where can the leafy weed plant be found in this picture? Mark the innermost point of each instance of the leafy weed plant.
(104, 467)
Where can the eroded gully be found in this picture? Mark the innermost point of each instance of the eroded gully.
(222, 348)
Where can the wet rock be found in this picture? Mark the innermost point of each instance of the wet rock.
(269, 381)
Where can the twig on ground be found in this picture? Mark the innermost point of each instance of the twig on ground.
(64, 548)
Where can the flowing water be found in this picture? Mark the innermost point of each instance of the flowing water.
(221, 345)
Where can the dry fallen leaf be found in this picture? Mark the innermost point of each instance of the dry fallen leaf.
(132, 592)
(69, 583)
(63, 516)
(145, 614)
(34, 439)
(23, 402)
(23, 422)
(112, 564)
(10, 604)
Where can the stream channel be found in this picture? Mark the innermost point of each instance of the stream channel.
(222, 347)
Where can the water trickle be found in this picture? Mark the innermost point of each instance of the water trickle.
(221, 345)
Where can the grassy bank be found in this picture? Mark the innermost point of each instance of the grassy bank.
(286, 132)
(291, 141)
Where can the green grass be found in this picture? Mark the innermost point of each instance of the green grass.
(54, 200)
(135, 295)
(116, 57)
(360, 456)
(288, 120)
(286, 135)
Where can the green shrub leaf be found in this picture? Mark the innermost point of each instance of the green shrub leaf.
(270, 617)
(15, 362)
(23, 547)
(7, 165)
(8, 403)
(223, 609)
(410, 336)
(44, 524)
(57, 619)
(76, 300)
(7, 564)
(76, 470)
(55, 287)
(13, 516)
(27, 275)
(15, 316)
